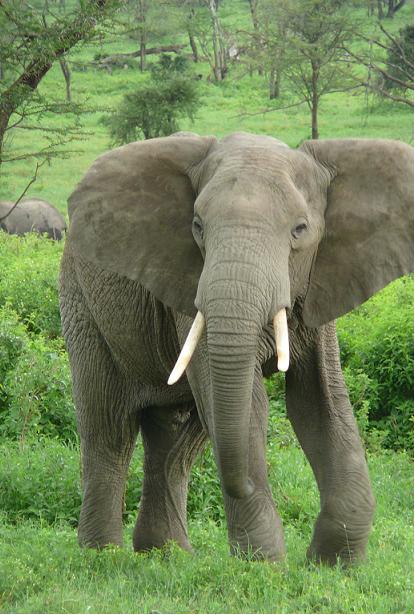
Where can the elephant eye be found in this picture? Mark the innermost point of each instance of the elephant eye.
(197, 228)
(298, 230)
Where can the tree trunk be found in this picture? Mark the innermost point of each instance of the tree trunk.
(141, 18)
(380, 10)
(274, 84)
(253, 5)
(67, 75)
(190, 32)
(219, 52)
(193, 45)
(34, 72)
(142, 54)
(314, 100)
(394, 8)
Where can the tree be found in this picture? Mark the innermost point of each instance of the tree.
(305, 42)
(154, 110)
(389, 61)
(34, 39)
(149, 24)
(393, 7)
(219, 64)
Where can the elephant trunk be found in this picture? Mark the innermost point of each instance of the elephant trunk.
(234, 319)
(239, 293)
(232, 366)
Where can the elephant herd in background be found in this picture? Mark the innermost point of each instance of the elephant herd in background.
(31, 215)
(192, 267)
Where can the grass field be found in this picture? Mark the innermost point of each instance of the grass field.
(42, 569)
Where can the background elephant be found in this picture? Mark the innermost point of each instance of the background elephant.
(238, 231)
(31, 215)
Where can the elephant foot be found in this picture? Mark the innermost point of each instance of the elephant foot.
(99, 541)
(339, 540)
(255, 529)
(146, 538)
(246, 549)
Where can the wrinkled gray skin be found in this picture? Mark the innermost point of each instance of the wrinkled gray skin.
(31, 215)
(316, 230)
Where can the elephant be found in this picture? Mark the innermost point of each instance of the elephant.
(192, 267)
(31, 214)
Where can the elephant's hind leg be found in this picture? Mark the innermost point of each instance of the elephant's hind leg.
(172, 439)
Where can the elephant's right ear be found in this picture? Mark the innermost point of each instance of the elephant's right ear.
(132, 214)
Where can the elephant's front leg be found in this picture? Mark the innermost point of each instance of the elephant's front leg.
(254, 526)
(319, 409)
(172, 437)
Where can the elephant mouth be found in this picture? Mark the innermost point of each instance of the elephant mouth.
(281, 343)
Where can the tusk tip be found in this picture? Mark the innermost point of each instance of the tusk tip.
(283, 364)
(173, 378)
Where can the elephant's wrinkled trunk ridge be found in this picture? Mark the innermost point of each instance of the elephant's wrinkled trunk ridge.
(188, 348)
(195, 333)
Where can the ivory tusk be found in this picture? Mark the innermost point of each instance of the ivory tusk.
(188, 348)
(281, 340)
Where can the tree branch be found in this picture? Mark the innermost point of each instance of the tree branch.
(32, 181)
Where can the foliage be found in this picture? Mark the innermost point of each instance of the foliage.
(376, 342)
(38, 390)
(34, 38)
(35, 384)
(399, 61)
(29, 269)
(154, 109)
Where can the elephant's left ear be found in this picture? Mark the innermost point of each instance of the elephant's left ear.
(368, 238)
(132, 214)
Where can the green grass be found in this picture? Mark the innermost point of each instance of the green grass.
(42, 569)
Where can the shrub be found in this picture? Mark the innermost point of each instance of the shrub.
(376, 343)
(38, 391)
(29, 280)
(13, 339)
(154, 109)
(40, 481)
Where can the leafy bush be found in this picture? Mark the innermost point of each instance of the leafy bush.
(13, 339)
(376, 343)
(35, 385)
(154, 109)
(40, 481)
(39, 400)
(399, 58)
(29, 280)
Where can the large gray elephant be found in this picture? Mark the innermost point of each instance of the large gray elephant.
(31, 215)
(242, 232)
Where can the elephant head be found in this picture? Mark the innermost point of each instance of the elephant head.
(239, 230)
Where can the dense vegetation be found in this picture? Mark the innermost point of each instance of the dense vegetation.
(41, 567)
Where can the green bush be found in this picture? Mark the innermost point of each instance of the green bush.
(35, 384)
(376, 343)
(39, 393)
(154, 110)
(40, 481)
(13, 339)
(29, 269)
